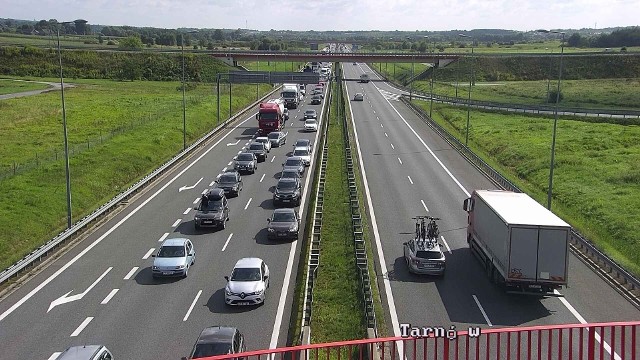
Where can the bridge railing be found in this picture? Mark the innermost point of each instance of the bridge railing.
(596, 341)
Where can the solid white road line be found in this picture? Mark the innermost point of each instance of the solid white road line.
(262, 178)
(227, 242)
(411, 181)
(383, 264)
(146, 256)
(130, 273)
(445, 243)
(82, 326)
(197, 199)
(109, 297)
(248, 202)
(164, 236)
(192, 305)
(54, 356)
(117, 225)
(482, 310)
(424, 205)
(186, 211)
(400, 161)
(176, 223)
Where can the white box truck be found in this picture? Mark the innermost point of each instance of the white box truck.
(522, 246)
(291, 95)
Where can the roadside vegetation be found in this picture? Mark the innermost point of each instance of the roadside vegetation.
(337, 309)
(596, 178)
(118, 132)
(8, 86)
(283, 66)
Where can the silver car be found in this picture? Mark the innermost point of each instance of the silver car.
(86, 352)
(304, 154)
(248, 282)
(295, 163)
(174, 258)
(265, 140)
(424, 257)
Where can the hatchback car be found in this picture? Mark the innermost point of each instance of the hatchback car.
(218, 340)
(294, 163)
(424, 257)
(277, 138)
(304, 154)
(265, 140)
(174, 258)
(316, 100)
(248, 282)
(358, 97)
(310, 114)
(247, 162)
(310, 125)
(283, 224)
(290, 174)
(288, 191)
(230, 182)
(259, 150)
(213, 210)
(86, 352)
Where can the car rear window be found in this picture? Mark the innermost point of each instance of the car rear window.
(245, 157)
(293, 162)
(431, 255)
(256, 147)
(274, 135)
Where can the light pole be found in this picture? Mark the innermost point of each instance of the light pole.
(184, 102)
(555, 117)
(549, 76)
(433, 74)
(64, 128)
(466, 141)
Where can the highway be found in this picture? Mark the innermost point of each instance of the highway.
(410, 171)
(101, 291)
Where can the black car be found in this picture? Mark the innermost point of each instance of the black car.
(283, 224)
(259, 150)
(218, 340)
(294, 163)
(230, 182)
(316, 100)
(277, 138)
(310, 114)
(247, 162)
(288, 192)
(213, 210)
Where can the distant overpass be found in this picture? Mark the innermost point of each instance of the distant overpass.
(232, 58)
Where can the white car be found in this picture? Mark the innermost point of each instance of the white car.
(248, 282)
(303, 153)
(310, 125)
(265, 140)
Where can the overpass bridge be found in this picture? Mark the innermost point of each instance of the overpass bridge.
(232, 58)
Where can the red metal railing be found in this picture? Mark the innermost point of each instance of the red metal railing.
(597, 341)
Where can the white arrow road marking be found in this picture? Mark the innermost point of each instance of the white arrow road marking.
(227, 242)
(235, 143)
(189, 187)
(64, 299)
(192, 305)
(110, 296)
(82, 326)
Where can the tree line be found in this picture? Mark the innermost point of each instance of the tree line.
(618, 38)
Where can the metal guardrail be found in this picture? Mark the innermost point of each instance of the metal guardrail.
(314, 247)
(69, 233)
(622, 280)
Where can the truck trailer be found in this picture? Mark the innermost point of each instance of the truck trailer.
(291, 95)
(522, 246)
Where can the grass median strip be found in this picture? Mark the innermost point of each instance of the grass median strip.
(337, 312)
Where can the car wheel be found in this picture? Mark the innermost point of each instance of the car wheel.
(186, 272)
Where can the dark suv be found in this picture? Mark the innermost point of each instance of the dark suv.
(213, 210)
(230, 182)
(218, 340)
(288, 191)
(259, 150)
(246, 161)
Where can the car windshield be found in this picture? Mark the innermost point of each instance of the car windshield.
(227, 179)
(245, 274)
(311, 112)
(300, 152)
(256, 147)
(293, 162)
(211, 349)
(289, 174)
(268, 116)
(245, 157)
(428, 254)
(171, 251)
(310, 122)
(286, 185)
(281, 217)
(212, 205)
(301, 143)
(316, 97)
(289, 95)
(262, 140)
(274, 135)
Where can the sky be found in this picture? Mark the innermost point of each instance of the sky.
(342, 15)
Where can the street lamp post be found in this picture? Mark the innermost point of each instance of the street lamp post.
(555, 118)
(466, 141)
(64, 128)
(184, 102)
(433, 75)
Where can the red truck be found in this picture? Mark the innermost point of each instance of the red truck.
(271, 117)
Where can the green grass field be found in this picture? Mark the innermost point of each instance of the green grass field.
(596, 177)
(528, 48)
(8, 86)
(149, 116)
(337, 312)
